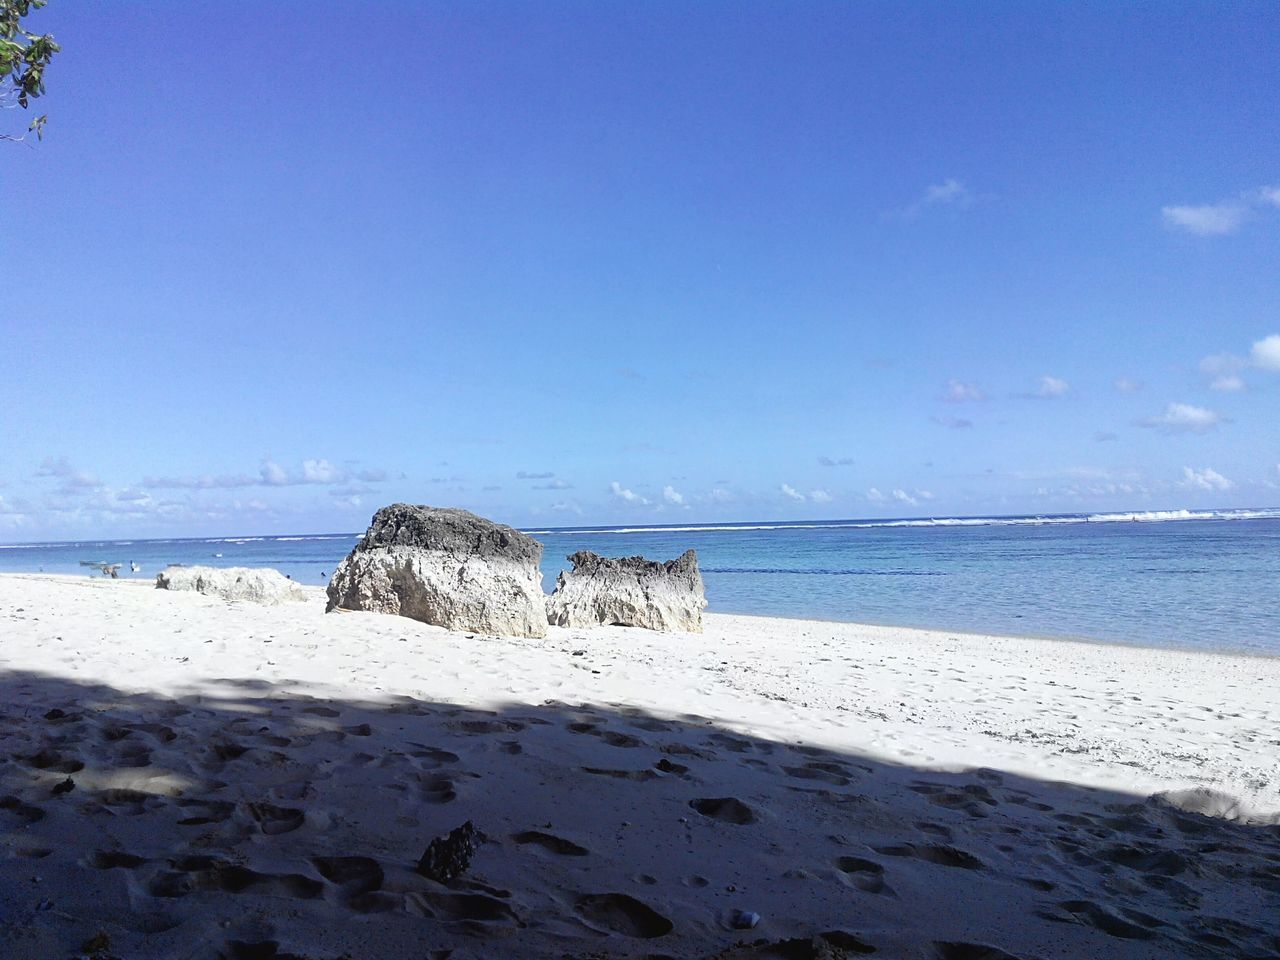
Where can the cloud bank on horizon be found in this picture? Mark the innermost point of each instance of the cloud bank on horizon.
(614, 278)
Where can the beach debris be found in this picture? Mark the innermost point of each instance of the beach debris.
(64, 786)
(446, 567)
(629, 592)
(253, 584)
(743, 919)
(449, 856)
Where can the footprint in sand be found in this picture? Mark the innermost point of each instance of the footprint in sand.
(726, 809)
(825, 772)
(190, 874)
(1145, 858)
(111, 859)
(53, 761)
(955, 950)
(438, 790)
(547, 841)
(465, 907)
(16, 813)
(273, 820)
(227, 750)
(1094, 915)
(488, 726)
(322, 712)
(619, 913)
(130, 754)
(130, 802)
(203, 812)
(738, 745)
(636, 776)
(354, 874)
(612, 737)
(864, 874)
(942, 854)
(972, 798)
(432, 758)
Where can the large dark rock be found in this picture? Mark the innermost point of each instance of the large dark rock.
(629, 592)
(446, 567)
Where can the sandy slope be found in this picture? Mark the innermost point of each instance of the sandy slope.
(192, 778)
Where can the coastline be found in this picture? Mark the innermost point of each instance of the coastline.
(832, 761)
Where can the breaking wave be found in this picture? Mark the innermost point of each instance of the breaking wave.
(1142, 516)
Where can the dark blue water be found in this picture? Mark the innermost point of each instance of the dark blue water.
(1200, 583)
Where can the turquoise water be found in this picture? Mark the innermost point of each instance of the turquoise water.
(1206, 581)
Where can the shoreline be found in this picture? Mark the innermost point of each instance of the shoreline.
(183, 770)
(149, 581)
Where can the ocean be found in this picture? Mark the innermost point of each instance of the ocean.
(1203, 580)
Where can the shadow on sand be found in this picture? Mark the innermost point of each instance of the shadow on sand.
(259, 824)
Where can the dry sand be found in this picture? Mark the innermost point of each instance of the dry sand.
(183, 777)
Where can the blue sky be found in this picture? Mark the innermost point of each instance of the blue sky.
(601, 262)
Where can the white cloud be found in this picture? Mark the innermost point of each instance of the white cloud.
(556, 484)
(273, 474)
(875, 496)
(903, 497)
(627, 496)
(526, 475)
(924, 494)
(1218, 364)
(566, 506)
(1218, 219)
(1183, 418)
(320, 471)
(1125, 385)
(1052, 387)
(721, 495)
(12, 514)
(958, 391)
(672, 495)
(819, 496)
(73, 481)
(835, 462)
(950, 192)
(952, 423)
(792, 493)
(1265, 354)
(1206, 479)
(270, 474)
(1227, 383)
(1208, 220)
(350, 490)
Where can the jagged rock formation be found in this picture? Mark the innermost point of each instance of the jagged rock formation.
(446, 567)
(254, 584)
(629, 592)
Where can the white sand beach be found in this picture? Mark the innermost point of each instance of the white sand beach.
(183, 777)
